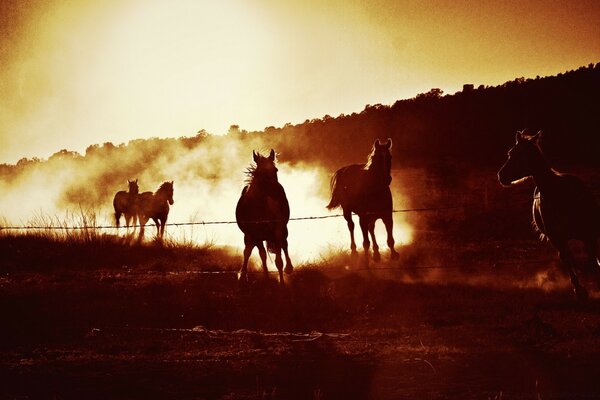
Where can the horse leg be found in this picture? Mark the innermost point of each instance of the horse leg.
(279, 263)
(248, 246)
(162, 227)
(348, 218)
(143, 221)
(127, 220)
(364, 227)
(289, 268)
(263, 258)
(117, 218)
(134, 222)
(376, 255)
(388, 221)
(567, 260)
(157, 224)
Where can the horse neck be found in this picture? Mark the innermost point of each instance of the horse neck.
(259, 186)
(377, 173)
(543, 176)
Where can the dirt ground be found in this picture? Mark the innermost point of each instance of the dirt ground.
(162, 330)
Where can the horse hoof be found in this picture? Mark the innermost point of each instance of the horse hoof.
(395, 256)
(242, 277)
(376, 257)
(288, 269)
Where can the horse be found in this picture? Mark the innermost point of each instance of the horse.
(156, 206)
(124, 203)
(365, 190)
(262, 214)
(564, 210)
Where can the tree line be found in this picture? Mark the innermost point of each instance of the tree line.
(473, 127)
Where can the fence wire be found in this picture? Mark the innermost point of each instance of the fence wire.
(178, 224)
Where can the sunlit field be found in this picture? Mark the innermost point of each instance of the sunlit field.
(203, 214)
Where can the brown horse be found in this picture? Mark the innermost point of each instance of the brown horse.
(564, 210)
(124, 203)
(262, 214)
(365, 190)
(155, 206)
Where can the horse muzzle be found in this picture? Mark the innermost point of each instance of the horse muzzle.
(504, 180)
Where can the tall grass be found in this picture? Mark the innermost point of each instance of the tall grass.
(76, 240)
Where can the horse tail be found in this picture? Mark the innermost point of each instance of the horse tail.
(271, 247)
(117, 217)
(336, 192)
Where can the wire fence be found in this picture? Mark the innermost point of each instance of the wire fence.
(229, 222)
(496, 266)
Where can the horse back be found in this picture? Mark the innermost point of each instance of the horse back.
(121, 201)
(353, 190)
(568, 210)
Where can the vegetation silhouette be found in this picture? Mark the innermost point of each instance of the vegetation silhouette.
(465, 128)
(564, 210)
(156, 206)
(262, 214)
(124, 203)
(365, 190)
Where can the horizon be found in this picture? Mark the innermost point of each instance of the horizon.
(95, 72)
(82, 150)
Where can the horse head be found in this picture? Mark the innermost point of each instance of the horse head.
(380, 160)
(524, 159)
(133, 187)
(265, 171)
(166, 191)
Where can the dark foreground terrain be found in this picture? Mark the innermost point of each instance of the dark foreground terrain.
(151, 324)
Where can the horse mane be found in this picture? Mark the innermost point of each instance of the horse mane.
(370, 158)
(249, 172)
(163, 186)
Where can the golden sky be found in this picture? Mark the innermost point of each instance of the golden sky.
(75, 73)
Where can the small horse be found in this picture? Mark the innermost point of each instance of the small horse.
(124, 203)
(155, 206)
(262, 214)
(564, 210)
(365, 190)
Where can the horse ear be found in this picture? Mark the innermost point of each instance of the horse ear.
(519, 136)
(254, 156)
(388, 143)
(377, 143)
(272, 155)
(136, 180)
(536, 137)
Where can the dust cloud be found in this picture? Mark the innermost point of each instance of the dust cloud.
(208, 174)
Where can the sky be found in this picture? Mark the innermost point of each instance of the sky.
(76, 73)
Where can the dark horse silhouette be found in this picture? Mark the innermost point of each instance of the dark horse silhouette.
(124, 203)
(564, 210)
(365, 190)
(262, 214)
(155, 206)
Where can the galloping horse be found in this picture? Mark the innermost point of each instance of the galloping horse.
(365, 190)
(155, 206)
(262, 214)
(564, 210)
(125, 203)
